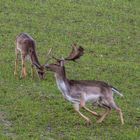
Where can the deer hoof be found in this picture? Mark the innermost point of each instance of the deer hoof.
(15, 73)
(98, 116)
(88, 122)
(99, 120)
(22, 76)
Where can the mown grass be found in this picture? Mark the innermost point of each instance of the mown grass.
(108, 30)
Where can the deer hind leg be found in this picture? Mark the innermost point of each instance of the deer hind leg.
(113, 105)
(23, 70)
(121, 115)
(103, 116)
(77, 107)
(16, 62)
(32, 70)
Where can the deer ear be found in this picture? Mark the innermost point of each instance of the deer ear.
(36, 65)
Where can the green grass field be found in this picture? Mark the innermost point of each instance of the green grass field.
(109, 30)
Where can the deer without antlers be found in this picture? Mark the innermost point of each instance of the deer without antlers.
(81, 91)
(26, 45)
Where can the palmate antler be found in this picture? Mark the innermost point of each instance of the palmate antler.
(76, 53)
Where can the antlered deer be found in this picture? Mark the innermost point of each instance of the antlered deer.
(25, 45)
(81, 91)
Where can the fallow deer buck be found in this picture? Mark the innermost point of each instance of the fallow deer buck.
(26, 45)
(81, 91)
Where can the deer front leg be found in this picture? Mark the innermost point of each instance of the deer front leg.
(32, 70)
(76, 107)
(82, 104)
(92, 112)
(23, 70)
(16, 63)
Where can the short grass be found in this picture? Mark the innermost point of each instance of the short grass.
(108, 30)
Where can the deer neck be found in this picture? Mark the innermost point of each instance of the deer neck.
(63, 84)
(34, 57)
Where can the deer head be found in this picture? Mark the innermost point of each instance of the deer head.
(58, 66)
(41, 68)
